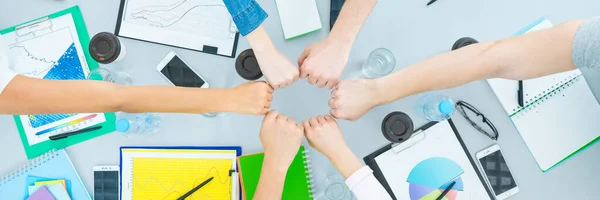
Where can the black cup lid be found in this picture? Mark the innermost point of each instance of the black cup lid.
(247, 66)
(397, 127)
(105, 47)
(463, 42)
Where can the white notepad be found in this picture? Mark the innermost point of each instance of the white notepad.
(298, 17)
(559, 114)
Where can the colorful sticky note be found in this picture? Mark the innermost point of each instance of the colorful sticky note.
(33, 189)
(57, 190)
(63, 182)
(41, 194)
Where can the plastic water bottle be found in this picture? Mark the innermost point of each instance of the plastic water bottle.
(131, 124)
(436, 107)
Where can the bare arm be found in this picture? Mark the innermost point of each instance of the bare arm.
(281, 138)
(527, 56)
(351, 19)
(272, 179)
(25, 95)
(279, 70)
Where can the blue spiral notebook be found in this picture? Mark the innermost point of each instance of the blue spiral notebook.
(52, 165)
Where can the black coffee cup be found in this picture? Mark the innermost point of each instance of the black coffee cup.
(463, 42)
(247, 66)
(106, 48)
(397, 127)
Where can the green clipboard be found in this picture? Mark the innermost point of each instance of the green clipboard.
(108, 126)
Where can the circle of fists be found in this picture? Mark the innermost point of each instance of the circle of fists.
(321, 64)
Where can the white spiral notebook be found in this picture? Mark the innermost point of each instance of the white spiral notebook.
(558, 118)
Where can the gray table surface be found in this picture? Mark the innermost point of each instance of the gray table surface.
(408, 28)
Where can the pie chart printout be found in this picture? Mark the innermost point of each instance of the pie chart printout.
(430, 177)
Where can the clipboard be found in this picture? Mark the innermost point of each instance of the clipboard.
(45, 26)
(160, 39)
(370, 159)
(233, 173)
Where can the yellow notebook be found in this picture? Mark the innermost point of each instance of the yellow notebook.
(169, 172)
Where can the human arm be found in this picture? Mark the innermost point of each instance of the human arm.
(322, 62)
(281, 138)
(248, 16)
(324, 134)
(279, 71)
(24, 95)
(531, 55)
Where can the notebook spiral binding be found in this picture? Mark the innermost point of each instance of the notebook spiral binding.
(554, 91)
(32, 164)
(309, 173)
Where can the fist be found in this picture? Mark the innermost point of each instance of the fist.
(353, 98)
(252, 98)
(324, 134)
(281, 138)
(322, 63)
(278, 70)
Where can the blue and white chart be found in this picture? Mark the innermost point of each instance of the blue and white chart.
(50, 49)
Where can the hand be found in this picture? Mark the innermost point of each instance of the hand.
(278, 70)
(352, 98)
(322, 63)
(281, 138)
(324, 134)
(252, 98)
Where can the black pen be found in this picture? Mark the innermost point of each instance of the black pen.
(431, 2)
(446, 191)
(186, 195)
(66, 135)
(520, 94)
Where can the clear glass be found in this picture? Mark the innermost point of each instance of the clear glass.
(103, 74)
(337, 189)
(380, 62)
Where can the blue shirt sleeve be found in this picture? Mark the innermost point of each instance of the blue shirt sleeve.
(246, 14)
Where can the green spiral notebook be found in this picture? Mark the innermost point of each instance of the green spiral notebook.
(298, 183)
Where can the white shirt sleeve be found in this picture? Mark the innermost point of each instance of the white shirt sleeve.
(6, 74)
(364, 185)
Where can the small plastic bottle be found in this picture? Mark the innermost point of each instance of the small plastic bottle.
(436, 107)
(133, 124)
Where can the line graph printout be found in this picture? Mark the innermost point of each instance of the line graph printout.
(164, 174)
(203, 25)
(170, 178)
(50, 49)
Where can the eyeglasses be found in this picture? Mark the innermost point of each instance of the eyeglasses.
(464, 106)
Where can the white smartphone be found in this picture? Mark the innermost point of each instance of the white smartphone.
(179, 73)
(106, 182)
(497, 173)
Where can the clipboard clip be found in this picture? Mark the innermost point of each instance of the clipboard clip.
(33, 28)
(414, 139)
